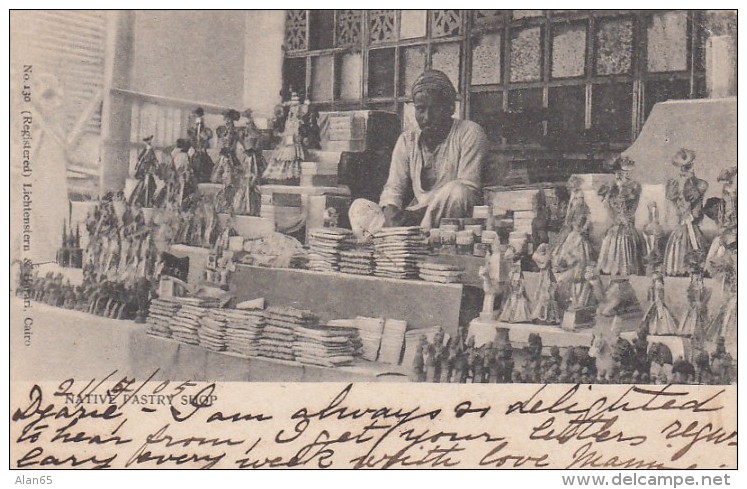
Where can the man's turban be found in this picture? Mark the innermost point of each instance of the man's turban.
(437, 81)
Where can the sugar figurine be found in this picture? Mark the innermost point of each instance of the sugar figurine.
(493, 281)
(517, 308)
(199, 136)
(620, 250)
(723, 210)
(546, 310)
(146, 174)
(224, 171)
(285, 165)
(686, 193)
(653, 234)
(695, 320)
(573, 245)
(658, 320)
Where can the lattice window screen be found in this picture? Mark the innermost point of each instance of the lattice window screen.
(295, 30)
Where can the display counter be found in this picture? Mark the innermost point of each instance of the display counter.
(71, 344)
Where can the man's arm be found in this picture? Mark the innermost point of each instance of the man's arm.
(474, 149)
(398, 183)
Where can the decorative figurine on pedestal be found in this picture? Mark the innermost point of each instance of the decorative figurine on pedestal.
(146, 174)
(620, 251)
(200, 136)
(687, 197)
(546, 310)
(285, 167)
(586, 294)
(248, 198)
(227, 164)
(724, 211)
(493, 280)
(695, 320)
(574, 246)
(658, 320)
(182, 184)
(653, 234)
(517, 308)
(724, 323)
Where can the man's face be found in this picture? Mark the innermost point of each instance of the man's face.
(433, 113)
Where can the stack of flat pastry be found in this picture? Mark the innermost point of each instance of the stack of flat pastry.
(278, 335)
(440, 272)
(398, 251)
(325, 245)
(160, 313)
(186, 322)
(358, 260)
(243, 330)
(212, 331)
(326, 346)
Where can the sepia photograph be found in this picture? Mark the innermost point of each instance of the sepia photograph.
(398, 239)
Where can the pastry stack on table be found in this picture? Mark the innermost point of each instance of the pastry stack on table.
(325, 346)
(440, 272)
(212, 332)
(325, 245)
(243, 330)
(278, 335)
(398, 251)
(358, 260)
(186, 322)
(160, 313)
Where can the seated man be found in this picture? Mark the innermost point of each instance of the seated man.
(440, 162)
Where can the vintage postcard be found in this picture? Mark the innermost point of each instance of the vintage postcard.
(374, 239)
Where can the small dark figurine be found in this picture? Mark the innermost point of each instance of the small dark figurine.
(200, 136)
(309, 130)
(146, 173)
(661, 363)
(683, 371)
(505, 363)
(477, 367)
(703, 368)
(418, 365)
(541, 220)
(142, 299)
(531, 370)
(641, 362)
(624, 355)
(722, 365)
